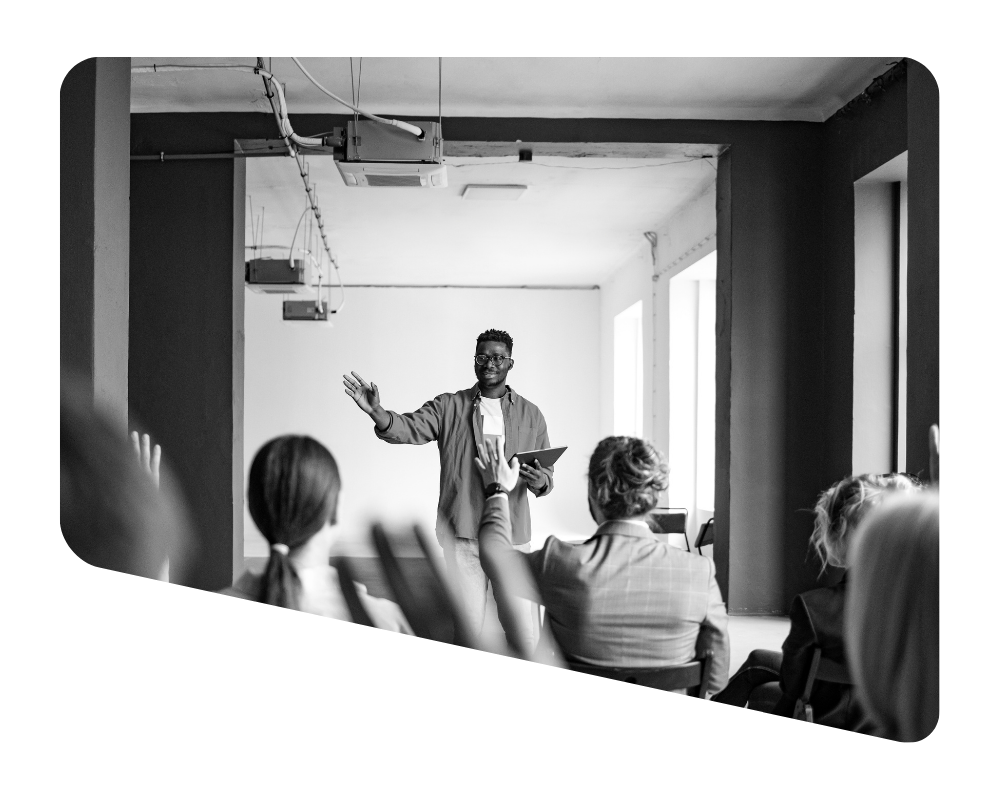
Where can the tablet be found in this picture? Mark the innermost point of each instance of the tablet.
(545, 457)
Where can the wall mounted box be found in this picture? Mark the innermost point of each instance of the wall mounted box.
(376, 141)
(275, 276)
(383, 155)
(305, 311)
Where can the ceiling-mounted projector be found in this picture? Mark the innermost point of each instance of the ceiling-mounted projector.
(278, 276)
(383, 155)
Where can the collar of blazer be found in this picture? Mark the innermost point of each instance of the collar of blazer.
(621, 527)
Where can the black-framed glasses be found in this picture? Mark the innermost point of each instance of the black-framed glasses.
(496, 361)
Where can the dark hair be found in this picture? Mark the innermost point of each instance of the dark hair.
(626, 476)
(110, 511)
(291, 493)
(493, 335)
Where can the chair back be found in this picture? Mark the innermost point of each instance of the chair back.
(444, 655)
(822, 669)
(670, 520)
(706, 535)
(421, 603)
(367, 645)
(659, 695)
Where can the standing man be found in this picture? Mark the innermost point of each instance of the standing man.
(461, 422)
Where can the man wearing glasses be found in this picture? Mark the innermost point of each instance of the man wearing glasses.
(460, 422)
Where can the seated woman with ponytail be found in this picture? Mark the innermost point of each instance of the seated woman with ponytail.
(292, 494)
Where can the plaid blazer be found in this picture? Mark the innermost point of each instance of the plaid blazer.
(625, 599)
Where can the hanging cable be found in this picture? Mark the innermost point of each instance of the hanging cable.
(284, 125)
(440, 136)
(300, 163)
(272, 89)
(260, 238)
(394, 122)
(291, 247)
(361, 66)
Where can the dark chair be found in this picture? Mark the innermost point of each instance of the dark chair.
(706, 535)
(765, 697)
(677, 695)
(368, 666)
(444, 647)
(426, 600)
(670, 520)
(820, 669)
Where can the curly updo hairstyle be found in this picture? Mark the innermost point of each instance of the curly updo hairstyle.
(841, 508)
(626, 476)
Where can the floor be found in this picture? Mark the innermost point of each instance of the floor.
(752, 633)
(745, 633)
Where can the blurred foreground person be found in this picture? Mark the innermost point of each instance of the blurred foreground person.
(115, 653)
(622, 598)
(306, 668)
(892, 617)
(817, 616)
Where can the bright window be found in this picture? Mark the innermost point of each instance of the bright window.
(628, 371)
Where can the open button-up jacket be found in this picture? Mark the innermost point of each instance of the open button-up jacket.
(454, 422)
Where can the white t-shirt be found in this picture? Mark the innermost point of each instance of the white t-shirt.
(492, 419)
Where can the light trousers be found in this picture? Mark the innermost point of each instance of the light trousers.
(462, 563)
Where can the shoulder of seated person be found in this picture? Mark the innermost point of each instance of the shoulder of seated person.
(245, 586)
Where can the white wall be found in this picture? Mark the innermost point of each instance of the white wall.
(628, 371)
(873, 327)
(683, 239)
(692, 391)
(415, 344)
(632, 282)
(683, 368)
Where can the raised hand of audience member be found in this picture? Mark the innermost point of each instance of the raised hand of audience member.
(934, 438)
(492, 467)
(148, 456)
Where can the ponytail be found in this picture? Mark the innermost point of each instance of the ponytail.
(280, 585)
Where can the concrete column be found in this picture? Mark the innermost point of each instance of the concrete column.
(94, 228)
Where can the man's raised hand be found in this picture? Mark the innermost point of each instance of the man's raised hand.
(363, 393)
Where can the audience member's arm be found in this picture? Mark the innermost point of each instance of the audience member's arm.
(935, 447)
(506, 567)
(148, 457)
(714, 636)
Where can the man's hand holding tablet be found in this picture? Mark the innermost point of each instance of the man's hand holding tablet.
(533, 461)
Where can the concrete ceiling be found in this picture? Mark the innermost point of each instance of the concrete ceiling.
(578, 221)
(808, 89)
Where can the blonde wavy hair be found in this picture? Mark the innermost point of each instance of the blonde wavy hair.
(841, 508)
(626, 476)
(892, 616)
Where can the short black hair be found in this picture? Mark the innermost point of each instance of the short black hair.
(493, 335)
